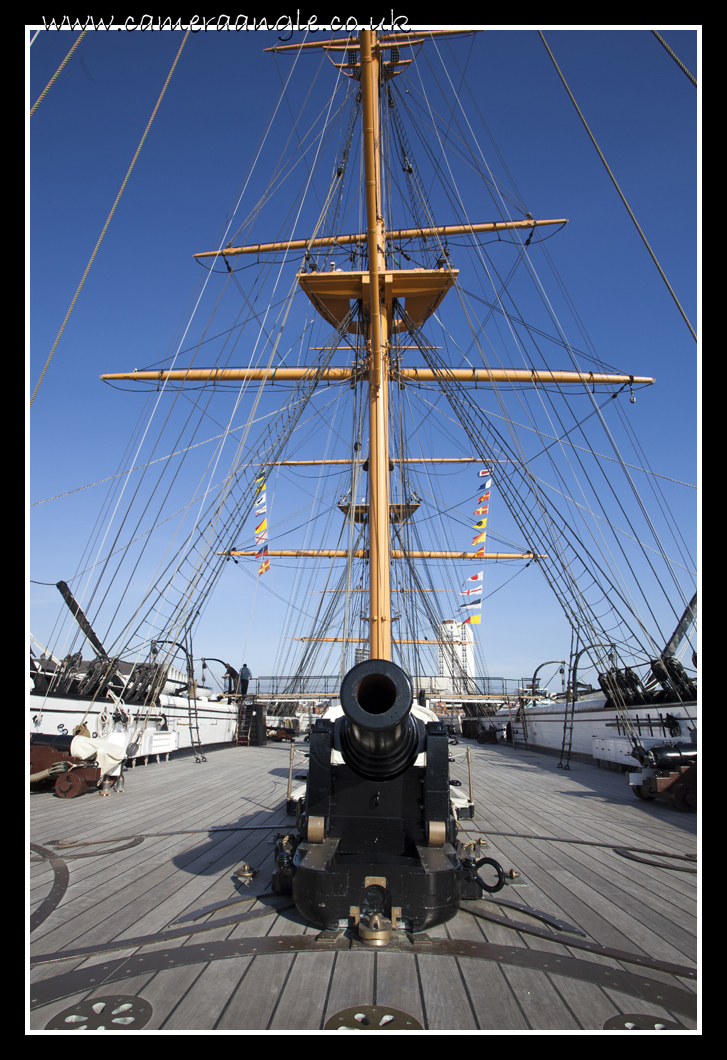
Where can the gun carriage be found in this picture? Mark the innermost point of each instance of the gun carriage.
(378, 841)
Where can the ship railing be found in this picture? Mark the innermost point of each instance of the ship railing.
(328, 685)
(504, 687)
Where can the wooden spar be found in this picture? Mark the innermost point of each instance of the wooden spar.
(399, 347)
(392, 460)
(391, 40)
(395, 553)
(361, 237)
(364, 640)
(414, 375)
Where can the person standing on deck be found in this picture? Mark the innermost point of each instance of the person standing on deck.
(245, 676)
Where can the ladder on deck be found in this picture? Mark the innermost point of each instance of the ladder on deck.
(194, 737)
(567, 744)
(245, 721)
(518, 719)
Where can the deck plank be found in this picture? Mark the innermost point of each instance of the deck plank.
(398, 985)
(447, 1004)
(303, 998)
(492, 998)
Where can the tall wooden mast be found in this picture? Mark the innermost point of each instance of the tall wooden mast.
(378, 350)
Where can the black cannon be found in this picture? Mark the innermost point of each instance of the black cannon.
(378, 845)
(668, 771)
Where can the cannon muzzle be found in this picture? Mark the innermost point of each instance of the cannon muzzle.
(378, 737)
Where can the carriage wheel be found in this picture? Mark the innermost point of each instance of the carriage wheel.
(684, 797)
(70, 784)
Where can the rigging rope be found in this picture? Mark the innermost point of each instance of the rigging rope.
(108, 219)
(47, 88)
(549, 527)
(191, 545)
(618, 189)
(510, 322)
(676, 58)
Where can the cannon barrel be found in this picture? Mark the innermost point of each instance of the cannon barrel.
(377, 736)
(58, 743)
(669, 756)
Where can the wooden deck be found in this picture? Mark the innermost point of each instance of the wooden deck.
(270, 973)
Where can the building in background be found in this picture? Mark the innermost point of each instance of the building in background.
(456, 657)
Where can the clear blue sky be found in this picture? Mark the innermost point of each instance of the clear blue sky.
(642, 109)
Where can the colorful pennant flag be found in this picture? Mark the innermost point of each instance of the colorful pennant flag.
(261, 530)
(483, 508)
(476, 593)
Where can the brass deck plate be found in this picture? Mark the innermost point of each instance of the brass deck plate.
(372, 1018)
